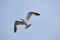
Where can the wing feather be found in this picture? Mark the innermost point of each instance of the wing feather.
(16, 25)
(31, 14)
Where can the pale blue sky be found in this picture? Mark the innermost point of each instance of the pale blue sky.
(44, 27)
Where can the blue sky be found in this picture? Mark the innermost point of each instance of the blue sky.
(44, 27)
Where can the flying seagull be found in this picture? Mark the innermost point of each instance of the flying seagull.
(25, 21)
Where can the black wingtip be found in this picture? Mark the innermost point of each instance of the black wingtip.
(14, 30)
(37, 14)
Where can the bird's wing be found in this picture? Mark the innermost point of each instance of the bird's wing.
(16, 25)
(31, 14)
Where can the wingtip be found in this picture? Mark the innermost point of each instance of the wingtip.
(15, 30)
(37, 14)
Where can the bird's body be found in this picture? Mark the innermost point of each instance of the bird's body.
(25, 21)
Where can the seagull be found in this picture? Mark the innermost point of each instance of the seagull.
(25, 21)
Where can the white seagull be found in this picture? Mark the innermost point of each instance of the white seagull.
(25, 21)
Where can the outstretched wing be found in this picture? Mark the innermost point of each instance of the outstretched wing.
(31, 14)
(16, 25)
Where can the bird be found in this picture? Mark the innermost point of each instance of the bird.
(25, 21)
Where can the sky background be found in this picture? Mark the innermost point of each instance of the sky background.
(44, 27)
